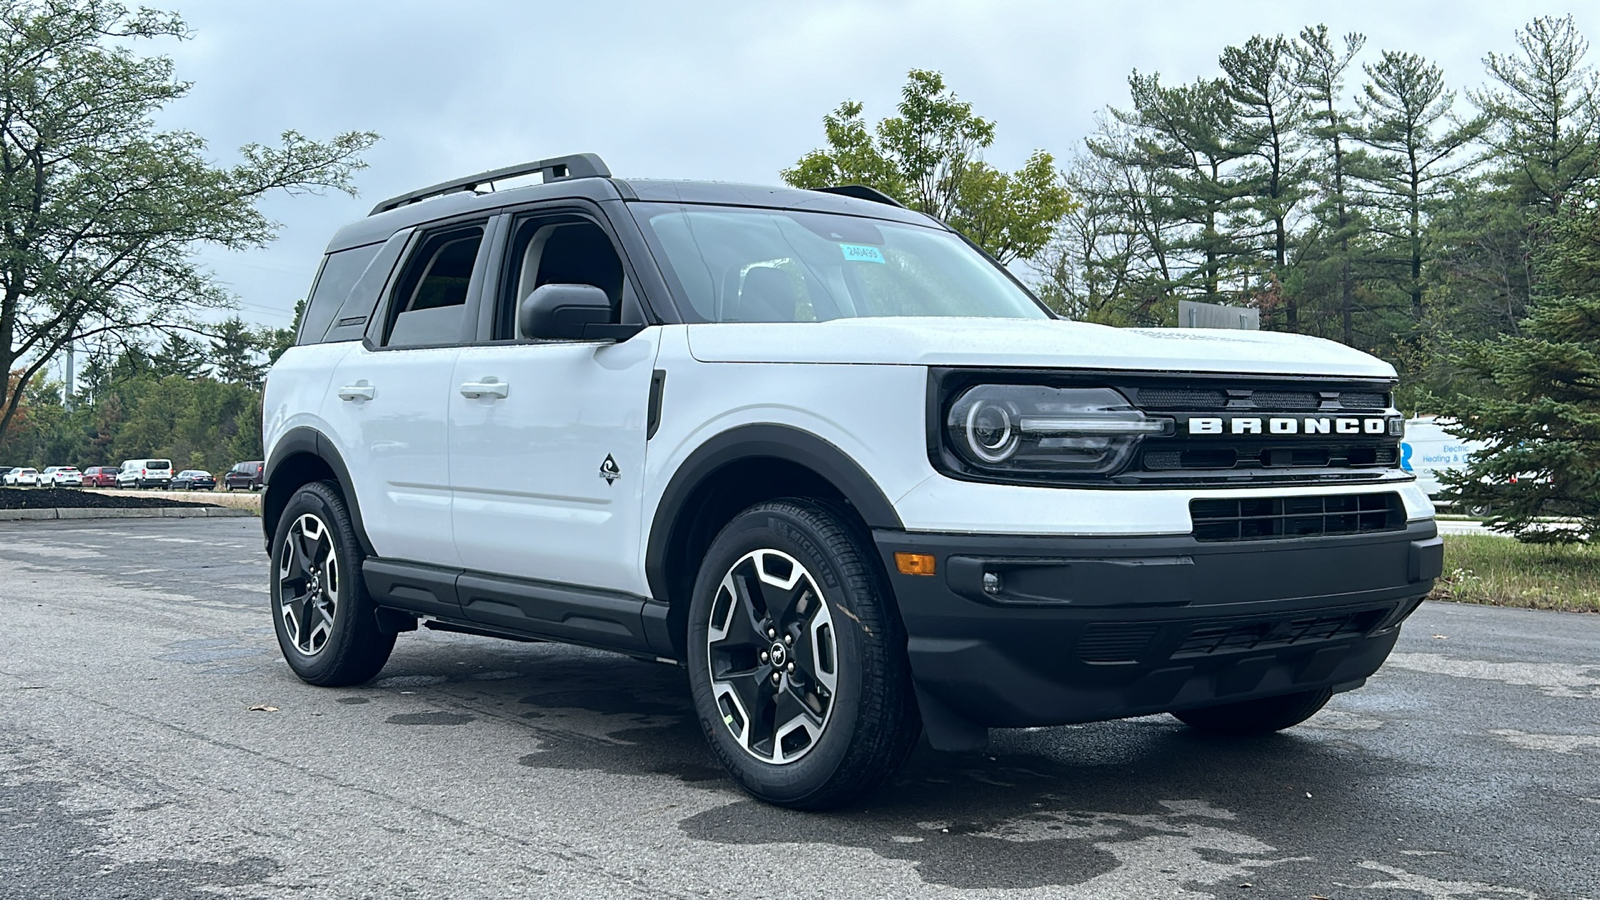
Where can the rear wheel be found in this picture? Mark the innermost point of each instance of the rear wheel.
(325, 620)
(797, 657)
(1262, 716)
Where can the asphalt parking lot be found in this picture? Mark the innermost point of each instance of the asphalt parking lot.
(133, 765)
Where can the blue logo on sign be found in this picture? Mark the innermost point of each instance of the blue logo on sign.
(1405, 457)
(862, 253)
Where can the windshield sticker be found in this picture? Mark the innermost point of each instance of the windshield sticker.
(862, 253)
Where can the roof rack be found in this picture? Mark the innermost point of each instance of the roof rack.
(578, 165)
(862, 192)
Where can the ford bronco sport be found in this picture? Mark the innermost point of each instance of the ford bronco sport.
(827, 455)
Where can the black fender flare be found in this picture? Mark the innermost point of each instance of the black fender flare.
(307, 441)
(760, 441)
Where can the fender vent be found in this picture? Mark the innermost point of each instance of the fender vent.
(1265, 518)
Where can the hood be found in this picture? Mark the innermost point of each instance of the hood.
(1030, 343)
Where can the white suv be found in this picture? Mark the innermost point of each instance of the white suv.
(22, 476)
(144, 473)
(831, 458)
(62, 476)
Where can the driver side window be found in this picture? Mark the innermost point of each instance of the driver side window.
(564, 249)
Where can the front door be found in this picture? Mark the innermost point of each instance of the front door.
(547, 438)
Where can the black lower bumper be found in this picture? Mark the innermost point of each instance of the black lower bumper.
(1017, 631)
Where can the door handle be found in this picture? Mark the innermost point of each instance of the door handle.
(489, 387)
(358, 391)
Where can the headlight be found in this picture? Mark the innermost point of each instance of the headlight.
(1019, 429)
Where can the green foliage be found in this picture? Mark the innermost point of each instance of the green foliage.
(1492, 570)
(1544, 114)
(928, 157)
(1346, 195)
(99, 210)
(236, 351)
(178, 356)
(1538, 402)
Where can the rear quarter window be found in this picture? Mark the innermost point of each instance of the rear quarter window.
(340, 272)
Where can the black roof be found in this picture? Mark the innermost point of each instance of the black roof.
(381, 225)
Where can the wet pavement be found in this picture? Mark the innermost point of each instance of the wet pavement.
(132, 765)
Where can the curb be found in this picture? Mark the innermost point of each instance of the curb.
(152, 512)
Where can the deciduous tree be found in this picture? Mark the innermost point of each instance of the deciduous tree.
(100, 209)
(929, 157)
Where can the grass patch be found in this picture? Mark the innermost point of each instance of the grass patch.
(1501, 571)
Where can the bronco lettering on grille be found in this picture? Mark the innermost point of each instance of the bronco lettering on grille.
(1286, 425)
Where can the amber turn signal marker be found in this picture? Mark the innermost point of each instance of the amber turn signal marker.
(914, 563)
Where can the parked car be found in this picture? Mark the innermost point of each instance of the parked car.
(245, 476)
(61, 476)
(22, 477)
(144, 473)
(100, 476)
(193, 480)
(825, 454)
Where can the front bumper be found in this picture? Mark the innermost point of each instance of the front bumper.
(1088, 629)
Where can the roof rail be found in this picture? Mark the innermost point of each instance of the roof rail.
(862, 192)
(578, 165)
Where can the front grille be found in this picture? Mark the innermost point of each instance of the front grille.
(1181, 398)
(1260, 451)
(1247, 398)
(1265, 518)
(1201, 456)
(1259, 634)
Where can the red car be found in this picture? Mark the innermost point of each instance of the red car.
(245, 476)
(100, 476)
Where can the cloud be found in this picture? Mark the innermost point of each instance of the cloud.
(727, 90)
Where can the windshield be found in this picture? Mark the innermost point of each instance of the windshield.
(766, 265)
(159, 464)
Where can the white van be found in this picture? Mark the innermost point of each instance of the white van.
(1430, 449)
(143, 473)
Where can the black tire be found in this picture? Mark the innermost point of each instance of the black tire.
(1262, 716)
(869, 721)
(353, 648)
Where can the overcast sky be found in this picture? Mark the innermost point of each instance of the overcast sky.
(729, 91)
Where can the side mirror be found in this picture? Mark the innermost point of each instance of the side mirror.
(571, 312)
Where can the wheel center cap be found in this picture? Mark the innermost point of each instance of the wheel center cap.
(779, 654)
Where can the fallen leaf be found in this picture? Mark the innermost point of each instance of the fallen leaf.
(1441, 637)
(261, 707)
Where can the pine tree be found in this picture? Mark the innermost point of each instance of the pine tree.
(1182, 137)
(235, 353)
(1416, 150)
(179, 356)
(1546, 113)
(1538, 398)
(1319, 72)
(1269, 113)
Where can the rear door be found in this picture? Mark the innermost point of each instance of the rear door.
(390, 395)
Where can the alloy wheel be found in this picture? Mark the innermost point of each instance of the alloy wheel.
(773, 657)
(308, 584)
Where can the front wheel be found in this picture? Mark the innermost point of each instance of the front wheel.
(325, 620)
(1262, 716)
(797, 657)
